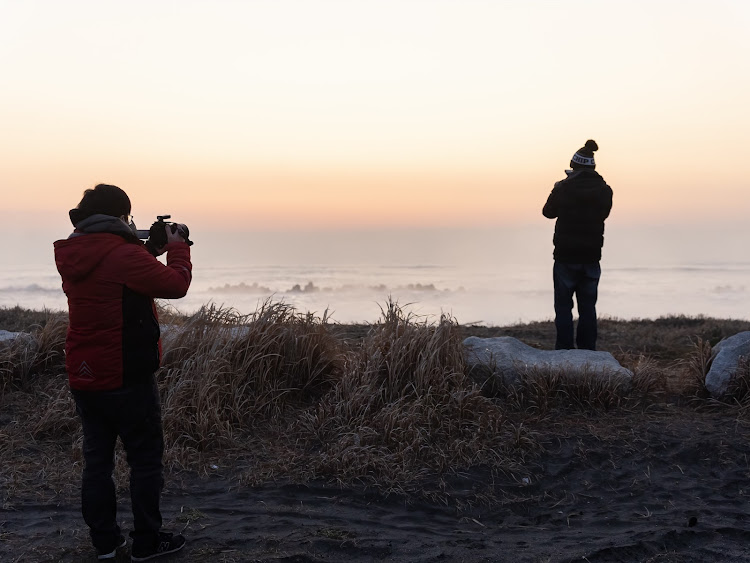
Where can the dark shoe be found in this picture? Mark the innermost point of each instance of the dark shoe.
(122, 542)
(167, 544)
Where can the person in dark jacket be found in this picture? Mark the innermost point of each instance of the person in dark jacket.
(112, 350)
(580, 203)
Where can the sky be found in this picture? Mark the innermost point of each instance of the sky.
(302, 115)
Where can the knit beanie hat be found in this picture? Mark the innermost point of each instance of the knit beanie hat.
(584, 157)
(104, 200)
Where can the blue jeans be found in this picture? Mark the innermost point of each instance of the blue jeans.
(583, 281)
(134, 414)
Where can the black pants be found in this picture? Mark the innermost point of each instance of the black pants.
(134, 414)
(583, 281)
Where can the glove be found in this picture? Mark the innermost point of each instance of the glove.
(178, 232)
(161, 233)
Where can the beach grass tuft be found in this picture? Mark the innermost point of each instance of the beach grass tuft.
(223, 372)
(403, 409)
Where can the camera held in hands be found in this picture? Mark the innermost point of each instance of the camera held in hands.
(156, 236)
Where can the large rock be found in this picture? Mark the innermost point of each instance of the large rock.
(505, 360)
(725, 359)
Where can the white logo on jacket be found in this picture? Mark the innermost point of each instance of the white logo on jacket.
(85, 372)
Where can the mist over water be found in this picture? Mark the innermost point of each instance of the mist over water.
(488, 276)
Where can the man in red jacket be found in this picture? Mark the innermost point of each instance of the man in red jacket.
(112, 351)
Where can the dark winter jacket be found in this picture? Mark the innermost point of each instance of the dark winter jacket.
(110, 280)
(580, 203)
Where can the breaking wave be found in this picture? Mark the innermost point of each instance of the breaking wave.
(310, 287)
(30, 288)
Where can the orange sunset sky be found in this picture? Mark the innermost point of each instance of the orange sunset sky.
(274, 115)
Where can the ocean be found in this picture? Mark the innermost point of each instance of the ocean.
(496, 277)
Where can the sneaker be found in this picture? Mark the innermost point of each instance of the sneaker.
(167, 544)
(122, 542)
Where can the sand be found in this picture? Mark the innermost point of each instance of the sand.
(666, 479)
(670, 485)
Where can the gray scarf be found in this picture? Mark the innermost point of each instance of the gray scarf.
(99, 223)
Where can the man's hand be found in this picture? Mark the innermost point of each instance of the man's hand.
(174, 232)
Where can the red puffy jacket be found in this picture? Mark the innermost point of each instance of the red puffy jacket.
(113, 335)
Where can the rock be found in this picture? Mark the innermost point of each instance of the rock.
(503, 361)
(725, 359)
(8, 339)
(7, 335)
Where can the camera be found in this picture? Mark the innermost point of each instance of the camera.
(156, 236)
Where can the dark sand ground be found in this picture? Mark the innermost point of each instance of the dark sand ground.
(671, 485)
(667, 483)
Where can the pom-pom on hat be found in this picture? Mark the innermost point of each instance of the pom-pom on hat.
(584, 157)
(103, 199)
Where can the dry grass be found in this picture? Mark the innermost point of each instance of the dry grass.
(543, 391)
(739, 389)
(403, 410)
(696, 366)
(17, 319)
(223, 373)
(289, 396)
(38, 352)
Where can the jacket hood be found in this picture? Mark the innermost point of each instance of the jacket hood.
(583, 174)
(584, 184)
(77, 256)
(94, 238)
